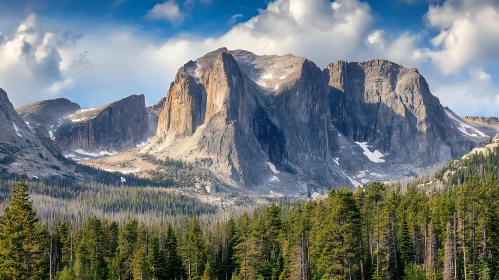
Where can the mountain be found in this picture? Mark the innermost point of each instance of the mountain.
(24, 150)
(46, 114)
(153, 113)
(84, 134)
(482, 120)
(281, 123)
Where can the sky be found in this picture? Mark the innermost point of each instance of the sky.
(98, 51)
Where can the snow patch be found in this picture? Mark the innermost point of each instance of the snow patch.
(276, 87)
(464, 127)
(337, 160)
(18, 132)
(274, 179)
(282, 77)
(375, 156)
(364, 181)
(354, 183)
(362, 174)
(51, 133)
(100, 154)
(272, 167)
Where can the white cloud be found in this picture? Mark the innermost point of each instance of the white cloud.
(168, 10)
(470, 94)
(468, 33)
(310, 28)
(30, 66)
(112, 62)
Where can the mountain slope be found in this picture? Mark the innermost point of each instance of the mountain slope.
(281, 123)
(92, 133)
(23, 150)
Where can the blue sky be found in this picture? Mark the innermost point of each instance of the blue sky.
(95, 52)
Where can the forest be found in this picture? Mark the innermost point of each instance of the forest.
(377, 231)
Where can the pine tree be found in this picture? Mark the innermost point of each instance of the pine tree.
(89, 257)
(339, 238)
(194, 254)
(406, 244)
(208, 273)
(22, 241)
(173, 259)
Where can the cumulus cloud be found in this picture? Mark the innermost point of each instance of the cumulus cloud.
(112, 62)
(468, 33)
(30, 65)
(168, 10)
(472, 93)
(318, 29)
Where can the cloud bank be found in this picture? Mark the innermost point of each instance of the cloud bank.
(114, 62)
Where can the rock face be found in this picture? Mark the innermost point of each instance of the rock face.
(92, 133)
(153, 113)
(392, 109)
(45, 115)
(111, 128)
(482, 120)
(281, 123)
(24, 150)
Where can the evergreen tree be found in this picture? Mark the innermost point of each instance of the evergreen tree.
(171, 255)
(22, 241)
(208, 273)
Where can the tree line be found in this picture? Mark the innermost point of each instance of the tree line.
(444, 231)
(374, 232)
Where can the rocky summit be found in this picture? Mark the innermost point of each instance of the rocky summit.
(281, 123)
(24, 150)
(268, 123)
(84, 134)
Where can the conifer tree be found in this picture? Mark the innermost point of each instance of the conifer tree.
(22, 241)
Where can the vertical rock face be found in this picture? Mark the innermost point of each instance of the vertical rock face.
(114, 127)
(281, 123)
(392, 109)
(96, 132)
(201, 114)
(153, 113)
(23, 150)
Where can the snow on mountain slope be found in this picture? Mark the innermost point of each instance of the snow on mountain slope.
(464, 127)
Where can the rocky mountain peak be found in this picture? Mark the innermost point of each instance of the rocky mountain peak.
(279, 120)
(23, 150)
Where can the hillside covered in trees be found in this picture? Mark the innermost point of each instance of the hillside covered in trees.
(375, 232)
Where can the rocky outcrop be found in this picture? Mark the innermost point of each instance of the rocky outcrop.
(153, 113)
(281, 123)
(482, 120)
(24, 150)
(96, 132)
(391, 108)
(46, 115)
(111, 128)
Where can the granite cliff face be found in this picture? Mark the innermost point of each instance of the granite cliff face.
(107, 129)
(281, 123)
(24, 150)
(92, 133)
(482, 120)
(46, 114)
(392, 109)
